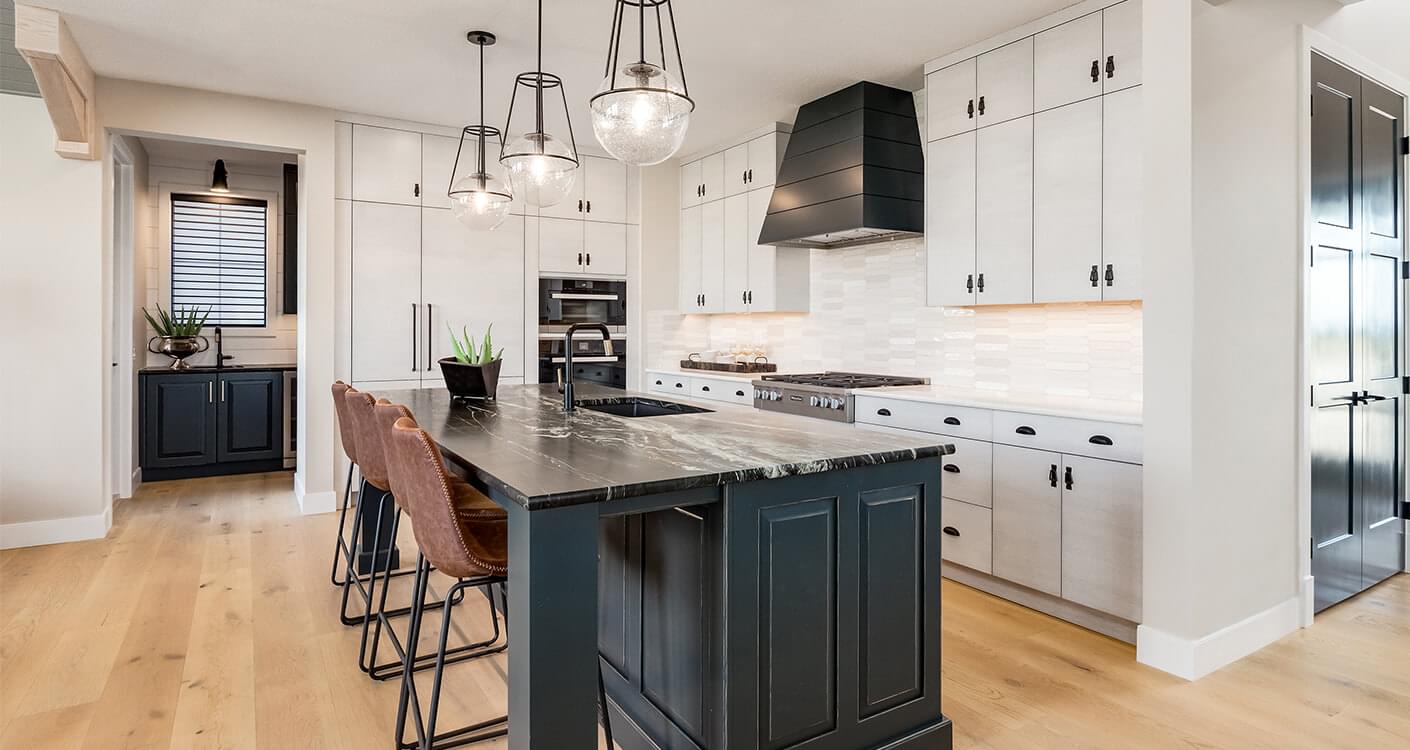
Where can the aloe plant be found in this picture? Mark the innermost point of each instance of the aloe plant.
(179, 322)
(467, 352)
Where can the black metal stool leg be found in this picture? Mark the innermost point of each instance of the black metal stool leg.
(342, 544)
(367, 616)
(409, 699)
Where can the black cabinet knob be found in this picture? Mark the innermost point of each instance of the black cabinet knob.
(953, 421)
(951, 531)
(1026, 430)
(953, 469)
(1099, 440)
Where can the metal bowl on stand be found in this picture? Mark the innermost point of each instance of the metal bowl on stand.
(179, 348)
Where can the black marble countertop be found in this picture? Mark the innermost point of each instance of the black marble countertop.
(213, 368)
(525, 446)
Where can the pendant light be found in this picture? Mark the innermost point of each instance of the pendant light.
(542, 167)
(219, 179)
(479, 200)
(641, 111)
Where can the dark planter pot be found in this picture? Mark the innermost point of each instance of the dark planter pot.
(470, 381)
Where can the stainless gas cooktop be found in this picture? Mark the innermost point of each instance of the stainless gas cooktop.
(827, 395)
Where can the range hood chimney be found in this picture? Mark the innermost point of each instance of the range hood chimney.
(853, 172)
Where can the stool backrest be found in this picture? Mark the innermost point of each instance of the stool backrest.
(386, 414)
(345, 425)
(371, 460)
(460, 541)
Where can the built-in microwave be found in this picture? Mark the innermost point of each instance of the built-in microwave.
(563, 302)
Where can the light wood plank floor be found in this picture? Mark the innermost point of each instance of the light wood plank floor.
(206, 620)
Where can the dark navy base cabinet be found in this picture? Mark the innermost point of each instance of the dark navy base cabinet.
(206, 422)
(801, 612)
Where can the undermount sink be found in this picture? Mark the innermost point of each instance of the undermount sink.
(635, 406)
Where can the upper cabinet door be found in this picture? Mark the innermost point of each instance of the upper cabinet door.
(950, 100)
(571, 207)
(605, 191)
(712, 256)
(605, 248)
(763, 282)
(342, 160)
(437, 158)
(1005, 83)
(712, 177)
(763, 160)
(1121, 195)
(1004, 214)
(736, 260)
(690, 184)
(1121, 43)
(1067, 63)
(1067, 203)
(736, 169)
(449, 255)
(386, 165)
(949, 221)
(690, 260)
(560, 246)
(386, 282)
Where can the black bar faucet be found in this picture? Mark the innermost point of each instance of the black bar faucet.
(567, 386)
(220, 355)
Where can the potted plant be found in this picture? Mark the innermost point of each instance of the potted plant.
(474, 370)
(179, 331)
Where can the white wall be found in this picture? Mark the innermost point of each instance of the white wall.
(52, 298)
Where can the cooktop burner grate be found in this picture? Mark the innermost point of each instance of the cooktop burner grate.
(844, 380)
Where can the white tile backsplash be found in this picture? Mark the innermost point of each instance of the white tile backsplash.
(869, 314)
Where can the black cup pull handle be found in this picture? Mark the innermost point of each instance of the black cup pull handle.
(1099, 440)
(1026, 430)
(739, 393)
(680, 385)
(658, 382)
(705, 388)
(1052, 474)
(951, 531)
(883, 412)
(1067, 477)
(953, 421)
(953, 469)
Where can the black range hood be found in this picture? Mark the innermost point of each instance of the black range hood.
(853, 172)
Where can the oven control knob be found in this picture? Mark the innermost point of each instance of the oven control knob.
(776, 395)
(813, 401)
(756, 393)
(835, 403)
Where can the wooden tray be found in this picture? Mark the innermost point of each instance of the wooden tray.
(743, 368)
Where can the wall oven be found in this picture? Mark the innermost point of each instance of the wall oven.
(564, 302)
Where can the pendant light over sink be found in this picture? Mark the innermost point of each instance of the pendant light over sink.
(542, 167)
(479, 200)
(641, 111)
(219, 178)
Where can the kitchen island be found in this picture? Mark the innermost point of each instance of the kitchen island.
(748, 579)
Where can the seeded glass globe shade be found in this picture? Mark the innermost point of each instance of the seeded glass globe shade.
(541, 168)
(644, 119)
(480, 201)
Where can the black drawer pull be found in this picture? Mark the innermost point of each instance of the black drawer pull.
(955, 421)
(680, 385)
(739, 393)
(658, 382)
(883, 412)
(1099, 440)
(951, 530)
(953, 469)
(1026, 430)
(705, 388)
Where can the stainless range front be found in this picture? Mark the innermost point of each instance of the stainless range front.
(827, 395)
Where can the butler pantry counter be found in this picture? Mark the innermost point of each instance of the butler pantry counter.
(747, 579)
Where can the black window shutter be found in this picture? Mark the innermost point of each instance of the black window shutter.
(291, 239)
(218, 246)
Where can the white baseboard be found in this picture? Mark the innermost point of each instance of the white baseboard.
(1193, 659)
(311, 503)
(1307, 593)
(56, 530)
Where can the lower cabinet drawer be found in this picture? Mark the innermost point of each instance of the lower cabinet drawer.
(719, 389)
(969, 472)
(968, 535)
(1078, 437)
(668, 383)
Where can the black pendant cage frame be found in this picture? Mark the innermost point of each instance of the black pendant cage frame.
(540, 81)
(480, 132)
(614, 47)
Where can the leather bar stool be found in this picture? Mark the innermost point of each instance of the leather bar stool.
(465, 535)
(341, 550)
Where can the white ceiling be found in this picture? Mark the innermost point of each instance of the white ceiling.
(180, 153)
(748, 62)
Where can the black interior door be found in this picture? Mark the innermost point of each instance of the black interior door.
(1356, 315)
(251, 416)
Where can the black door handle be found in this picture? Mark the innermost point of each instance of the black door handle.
(1026, 430)
(580, 259)
(1099, 440)
(589, 206)
(428, 337)
(970, 109)
(750, 298)
(413, 337)
(1067, 477)
(953, 469)
(883, 412)
(1110, 275)
(751, 175)
(744, 176)
(1096, 72)
(1110, 65)
(1052, 474)
(580, 205)
(951, 531)
(953, 421)
(589, 258)
(744, 296)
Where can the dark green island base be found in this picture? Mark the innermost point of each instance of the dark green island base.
(747, 579)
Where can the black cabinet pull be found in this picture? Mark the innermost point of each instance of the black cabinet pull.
(969, 284)
(413, 337)
(1052, 474)
(981, 283)
(744, 296)
(951, 531)
(580, 205)
(970, 109)
(1110, 65)
(1099, 440)
(981, 105)
(705, 388)
(1096, 72)
(1067, 477)
(428, 337)
(658, 382)
(954, 421)
(750, 297)
(1093, 277)
(416, 190)
(883, 412)
(589, 206)
(953, 469)
(1026, 430)
(680, 385)
(739, 393)
(751, 175)
(744, 176)
(1110, 275)
(589, 258)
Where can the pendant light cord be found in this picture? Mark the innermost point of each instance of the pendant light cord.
(641, 32)
(480, 158)
(538, 90)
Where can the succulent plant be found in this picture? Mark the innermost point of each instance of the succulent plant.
(466, 351)
(178, 323)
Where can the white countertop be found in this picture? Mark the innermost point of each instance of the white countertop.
(1120, 412)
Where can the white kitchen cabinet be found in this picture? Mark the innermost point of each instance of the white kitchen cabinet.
(712, 177)
(604, 189)
(438, 156)
(778, 276)
(560, 246)
(571, 206)
(712, 256)
(1005, 83)
(1004, 213)
(949, 220)
(690, 184)
(1027, 517)
(737, 246)
(949, 100)
(967, 535)
(387, 165)
(969, 472)
(470, 280)
(1067, 63)
(342, 160)
(1067, 202)
(1101, 535)
(604, 248)
(1121, 194)
(736, 170)
(690, 268)
(764, 153)
(1121, 43)
(386, 292)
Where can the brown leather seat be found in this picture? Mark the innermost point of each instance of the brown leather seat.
(362, 408)
(345, 423)
(460, 531)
